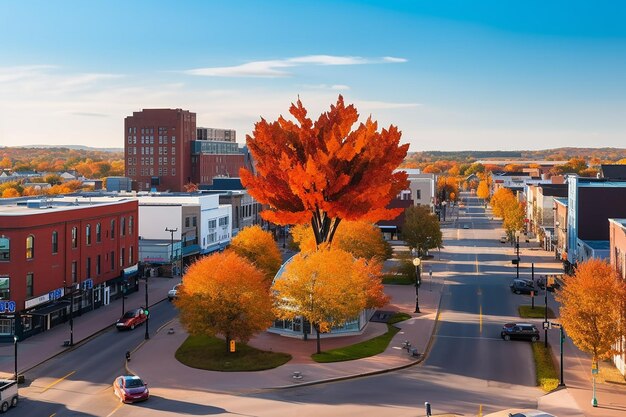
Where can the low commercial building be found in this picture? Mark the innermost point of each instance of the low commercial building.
(617, 240)
(63, 256)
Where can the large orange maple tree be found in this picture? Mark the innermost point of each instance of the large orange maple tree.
(322, 172)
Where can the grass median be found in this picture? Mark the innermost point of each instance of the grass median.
(363, 349)
(538, 312)
(210, 353)
(547, 376)
(398, 279)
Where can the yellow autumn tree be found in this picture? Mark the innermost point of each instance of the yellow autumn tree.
(258, 246)
(483, 190)
(592, 302)
(361, 239)
(327, 287)
(224, 294)
(10, 193)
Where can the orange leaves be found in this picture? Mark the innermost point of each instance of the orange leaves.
(259, 247)
(224, 294)
(324, 167)
(592, 303)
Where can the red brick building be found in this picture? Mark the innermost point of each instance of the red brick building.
(164, 151)
(59, 253)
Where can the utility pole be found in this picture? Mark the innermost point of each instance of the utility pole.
(517, 248)
(171, 249)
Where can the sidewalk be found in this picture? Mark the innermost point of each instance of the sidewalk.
(38, 348)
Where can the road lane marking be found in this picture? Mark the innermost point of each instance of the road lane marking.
(468, 337)
(481, 319)
(480, 410)
(115, 409)
(57, 381)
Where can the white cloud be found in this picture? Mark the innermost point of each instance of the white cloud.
(335, 87)
(274, 68)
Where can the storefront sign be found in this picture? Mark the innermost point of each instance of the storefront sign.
(87, 284)
(131, 270)
(7, 306)
(52, 295)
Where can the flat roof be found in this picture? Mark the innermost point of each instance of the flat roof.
(597, 244)
(34, 206)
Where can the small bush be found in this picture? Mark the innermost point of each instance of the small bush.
(547, 376)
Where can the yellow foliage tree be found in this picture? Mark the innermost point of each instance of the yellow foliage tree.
(224, 294)
(483, 190)
(10, 193)
(327, 287)
(258, 247)
(360, 238)
(592, 302)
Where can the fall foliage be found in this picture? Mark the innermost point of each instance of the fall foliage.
(483, 190)
(258, 247)
(224, 294)
(327, 287)
(592, 303)
(361, 239)
(322, 172)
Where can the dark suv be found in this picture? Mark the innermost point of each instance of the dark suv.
(522, 286)
(524, 331)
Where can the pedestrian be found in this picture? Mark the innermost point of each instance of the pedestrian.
(128, 356)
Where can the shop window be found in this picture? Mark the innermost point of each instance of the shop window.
(5, 288)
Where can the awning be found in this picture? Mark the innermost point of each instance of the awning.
(44, 311)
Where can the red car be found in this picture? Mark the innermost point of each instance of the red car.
(130, 388)
(131, 319)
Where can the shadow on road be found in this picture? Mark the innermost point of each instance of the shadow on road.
(169, 405)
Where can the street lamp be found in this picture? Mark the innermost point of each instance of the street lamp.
(418, 280)
(15, 343)
(123, 297)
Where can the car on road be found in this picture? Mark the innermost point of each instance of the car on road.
(130, 388)
(522, 286)
(517, 412)
(524, 331)
(503, 239)
(173, 293)
(466, 226)
(131, 319)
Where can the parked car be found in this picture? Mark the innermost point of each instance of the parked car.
(130, 388)
(173, 293)
(131, 319)
(503, 239)
(8, 394)
(525, 331)
(522, 286)
(466, 226)
(516, 412)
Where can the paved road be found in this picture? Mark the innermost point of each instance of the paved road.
(469, 371)
(78, 382)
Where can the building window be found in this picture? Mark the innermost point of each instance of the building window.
(29, 285)
(112, 260)
(130, 226)
(74, 237)
(88, 267)
(98, 233)
(88, 234)
(194, 221)
(5, 288)
(131, 256)
(74, 272)
(212, 224)
(113, 229)
(123, 226)
(55, 242)
(173, 140)
(122, 253)
(98, 265)
(30, 247)
(223, 221)
(186, 221)
(5, 249)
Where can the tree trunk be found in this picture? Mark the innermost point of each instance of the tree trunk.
(317, 330)
(227, 343)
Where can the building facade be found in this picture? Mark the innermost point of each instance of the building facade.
(618, 262)
(157, 145)
(60, 257)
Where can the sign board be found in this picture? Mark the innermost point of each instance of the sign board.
(7, 306)
(52, 295)
(547, 325)
(87, 284)
(232, 346)
(594, 371)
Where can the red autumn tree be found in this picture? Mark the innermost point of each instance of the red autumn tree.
(322, 172)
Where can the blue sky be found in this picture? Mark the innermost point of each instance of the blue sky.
(452, 75)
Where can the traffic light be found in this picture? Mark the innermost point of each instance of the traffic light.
(146, 312)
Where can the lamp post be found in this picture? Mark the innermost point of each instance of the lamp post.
(123, 297)
(171, 252)
(418, 280)
(594, 372)
(15, 343)
(147, 335)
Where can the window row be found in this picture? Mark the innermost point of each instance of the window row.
(125, 228)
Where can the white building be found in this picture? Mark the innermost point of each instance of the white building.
(421, 187)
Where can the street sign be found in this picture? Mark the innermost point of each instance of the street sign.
(232, 346)
(594, 371)
(547, 325)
